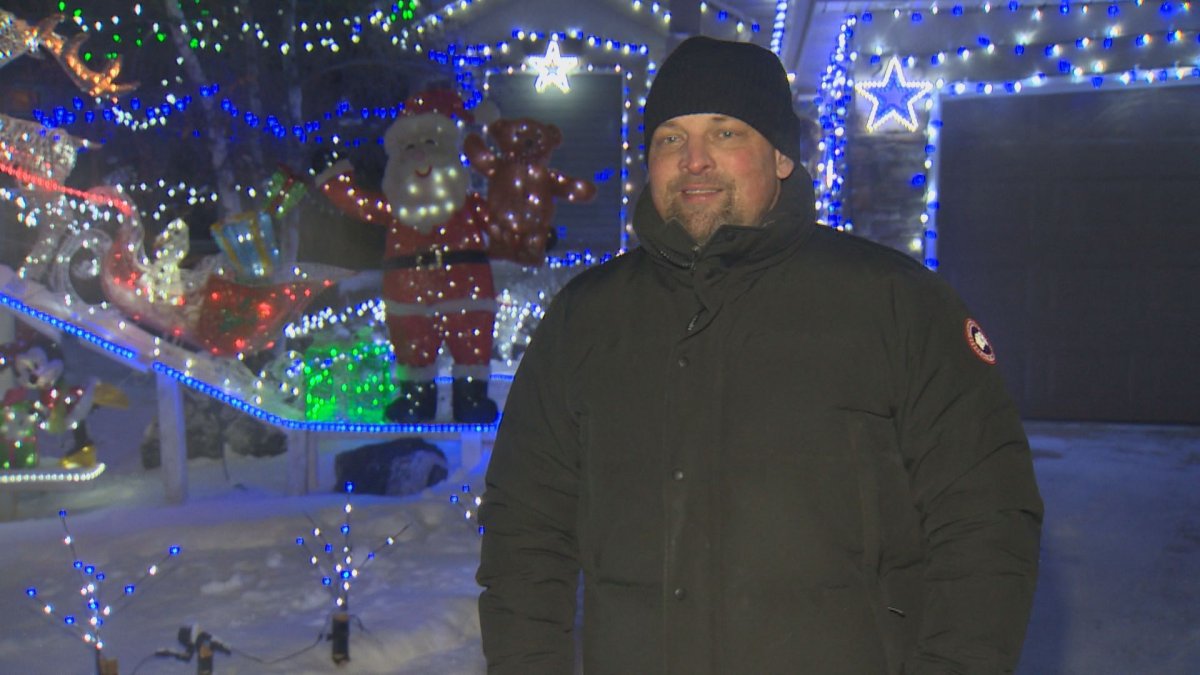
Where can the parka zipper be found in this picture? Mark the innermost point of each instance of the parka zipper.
(687, 265)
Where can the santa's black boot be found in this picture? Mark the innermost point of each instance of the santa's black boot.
(415, 402)
(471, 402)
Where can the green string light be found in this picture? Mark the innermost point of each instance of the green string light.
(402, 10)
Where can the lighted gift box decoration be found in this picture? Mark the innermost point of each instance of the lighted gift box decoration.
(18, 436)
(248, 238)
(348, 382)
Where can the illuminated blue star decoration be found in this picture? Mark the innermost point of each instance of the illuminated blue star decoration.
(893, 97)
(552, 68)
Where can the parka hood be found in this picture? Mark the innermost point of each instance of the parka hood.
(787, 224)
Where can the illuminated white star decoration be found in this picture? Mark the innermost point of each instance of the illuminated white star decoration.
(893, 97)
(552, 68)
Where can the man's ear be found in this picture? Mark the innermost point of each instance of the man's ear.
(784, 166)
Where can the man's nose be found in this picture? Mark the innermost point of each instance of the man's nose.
(695, 157)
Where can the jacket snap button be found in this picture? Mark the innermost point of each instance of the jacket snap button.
(677, 474)
(683, 362)
(680, 593)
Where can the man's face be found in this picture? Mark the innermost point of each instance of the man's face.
(711, 170)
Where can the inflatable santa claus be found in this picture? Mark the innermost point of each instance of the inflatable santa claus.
(437, 282)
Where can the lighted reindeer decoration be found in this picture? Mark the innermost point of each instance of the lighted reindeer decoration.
(18, 38)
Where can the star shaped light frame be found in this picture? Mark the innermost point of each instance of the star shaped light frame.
(552, 68)
(893, 98)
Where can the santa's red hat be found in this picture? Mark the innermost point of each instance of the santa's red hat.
(442, 101)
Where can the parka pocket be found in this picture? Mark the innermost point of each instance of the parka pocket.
(872, 443)
(892, 550)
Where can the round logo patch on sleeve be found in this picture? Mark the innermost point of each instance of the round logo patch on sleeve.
(979, 342)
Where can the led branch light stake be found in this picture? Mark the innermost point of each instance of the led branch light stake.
(339, 569)
(469, 504)
(200, 643)
(89, 625)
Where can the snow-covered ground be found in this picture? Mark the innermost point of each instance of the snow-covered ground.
(1119, 591)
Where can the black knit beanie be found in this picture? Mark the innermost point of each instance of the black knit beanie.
(738, 79)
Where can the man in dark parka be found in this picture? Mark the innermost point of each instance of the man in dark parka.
(765, 446)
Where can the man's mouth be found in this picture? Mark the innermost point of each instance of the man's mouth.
(702, 193)
(424, 173)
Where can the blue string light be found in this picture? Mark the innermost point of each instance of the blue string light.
(268, 124)
(67, 327)
(408, 39)
(460, 57)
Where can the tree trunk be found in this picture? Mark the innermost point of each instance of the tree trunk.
(216, 120)
(253, 87)
(289, 239)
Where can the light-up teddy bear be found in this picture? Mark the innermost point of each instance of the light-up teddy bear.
(437, 281)
(522, 187)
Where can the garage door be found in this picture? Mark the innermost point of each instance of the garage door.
(1070, 223)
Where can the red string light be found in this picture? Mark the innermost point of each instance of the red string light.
(54, 186)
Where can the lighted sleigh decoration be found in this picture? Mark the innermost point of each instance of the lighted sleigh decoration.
(239, 305)
(226, 308)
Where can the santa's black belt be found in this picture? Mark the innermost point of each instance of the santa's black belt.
(434, 259)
